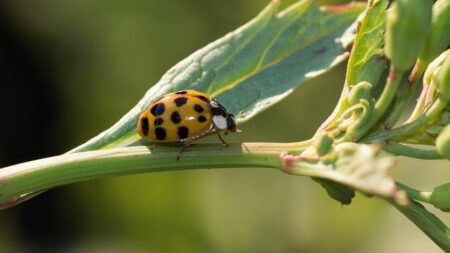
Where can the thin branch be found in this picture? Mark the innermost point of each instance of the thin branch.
(23, 180)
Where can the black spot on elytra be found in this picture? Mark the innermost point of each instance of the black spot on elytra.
(183, 132)
(198, 108)
(175, 117)
(181, 92)
(202, 118)
(144, 126)
(203, 98)
(160, 133)
(158, 109)
(180, 101)
(158, 121)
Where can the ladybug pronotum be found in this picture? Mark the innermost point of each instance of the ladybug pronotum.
(183, 117)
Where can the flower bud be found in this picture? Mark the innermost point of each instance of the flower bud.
(329, 158)
(433, 65)
(359, 91)
(323, 144)
(440, 197)
(443, 143)
(435, 77)
(438, 38)
(407, 25)
(443, 79)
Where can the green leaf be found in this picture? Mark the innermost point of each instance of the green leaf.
(337, 191)
(367, 62)
(254, 66)
(358, 166)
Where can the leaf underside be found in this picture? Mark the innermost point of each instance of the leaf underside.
(361, 167)
(253, 67)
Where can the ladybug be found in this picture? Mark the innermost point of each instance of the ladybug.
(184, 116)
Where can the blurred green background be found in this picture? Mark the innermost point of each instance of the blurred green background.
(70, 68)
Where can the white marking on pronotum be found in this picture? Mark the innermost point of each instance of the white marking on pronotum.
(213, 103)
(220, 122)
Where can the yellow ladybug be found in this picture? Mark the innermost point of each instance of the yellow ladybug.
(183, 117)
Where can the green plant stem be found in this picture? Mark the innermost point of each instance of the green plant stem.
(400, 133)
(405, 150)
(35, 176)
(420, 67)
(418, 109)
(415, 194)
(427, 222)
(382, 104)
(404, 99)
(340, 108)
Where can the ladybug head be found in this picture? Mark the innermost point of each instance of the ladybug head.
(231, 123)
(222, 119)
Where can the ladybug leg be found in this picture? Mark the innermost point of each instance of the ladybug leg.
(221, 139)
(183, 148)
(180, 152)
(153, 147)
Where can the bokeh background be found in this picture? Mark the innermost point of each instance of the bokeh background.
(70, 68)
